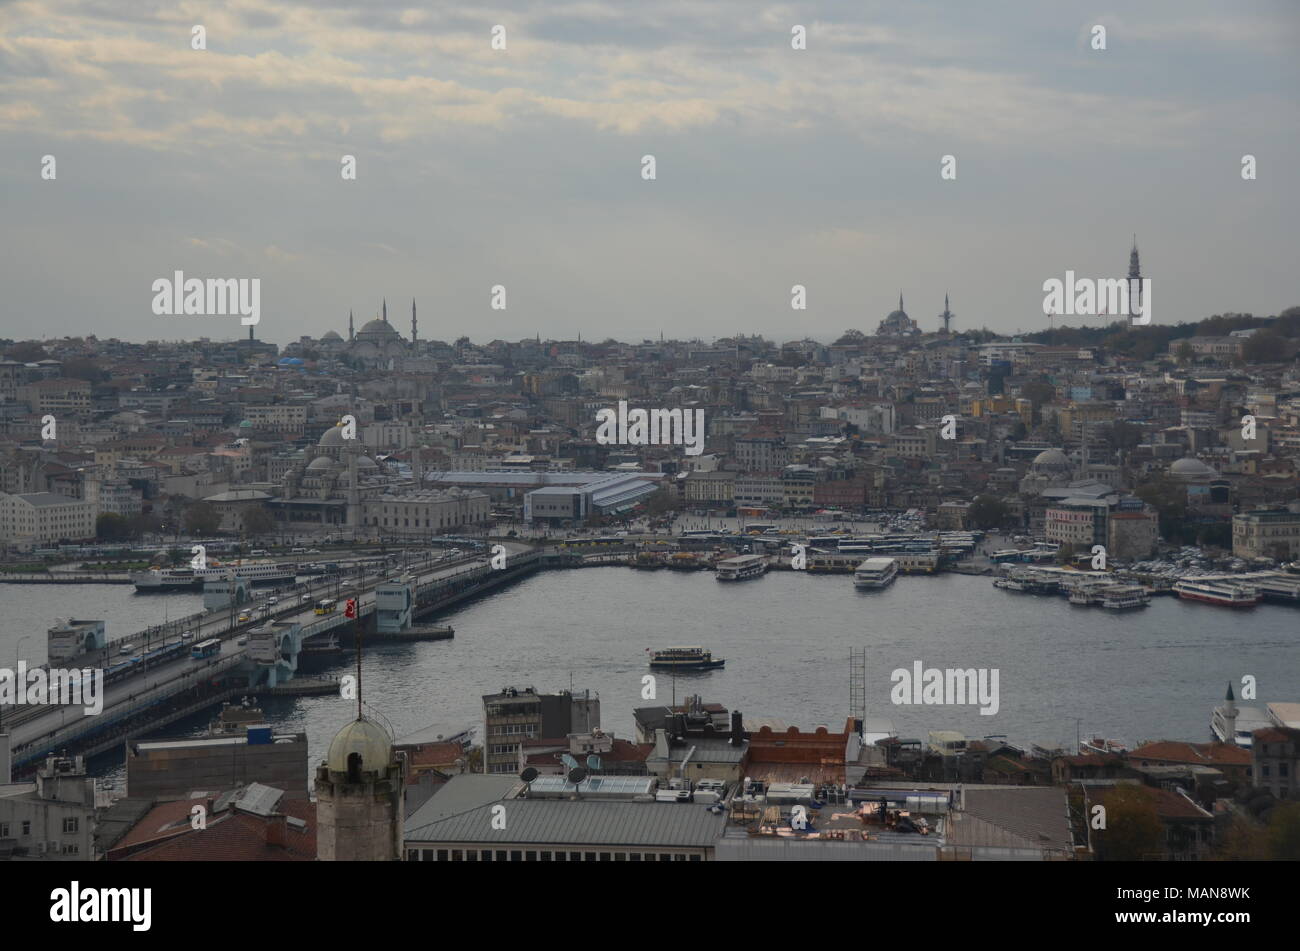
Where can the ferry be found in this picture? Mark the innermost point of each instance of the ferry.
(875, 573)
(1124, 597)
(1008, 584)
(684, 658)
(741, 567)
(1217, 592)
(182, 579)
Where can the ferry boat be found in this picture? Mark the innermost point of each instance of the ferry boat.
(684, 658)
(1124, 597)
(1086, 594)
(741, 567)
(875, 573)
(1217, 592)
(1008, 584)
(183, 579)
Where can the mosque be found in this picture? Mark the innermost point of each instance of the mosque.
(898, 324)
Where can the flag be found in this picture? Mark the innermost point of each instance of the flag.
(350, 609)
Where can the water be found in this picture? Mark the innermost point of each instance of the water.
(1151, 674)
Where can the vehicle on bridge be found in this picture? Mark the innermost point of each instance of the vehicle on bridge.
(327, 606)
(206, 648)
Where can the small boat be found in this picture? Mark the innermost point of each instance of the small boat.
(1099, 744)
(1008, 584)
(1124, 597)
(684, 658)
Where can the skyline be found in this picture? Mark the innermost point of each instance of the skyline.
(522, 167)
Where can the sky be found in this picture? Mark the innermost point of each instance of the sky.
(522, 167)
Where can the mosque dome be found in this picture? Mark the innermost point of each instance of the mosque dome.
(331, 336)
(332, 437)
(365, 462)
(1051, 459)
(378, 327)
(367, 740)
(1192, 468)
(320, 462)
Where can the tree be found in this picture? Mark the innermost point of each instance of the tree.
(258, 521)
(1184, 353)
(1284, 832)
(202, 519)
(662, 501)
(850, 337)
(987, 511)
(1169, 499)
(1133, 831)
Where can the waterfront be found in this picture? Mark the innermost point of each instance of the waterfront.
(786, 637)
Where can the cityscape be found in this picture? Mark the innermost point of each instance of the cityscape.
(653, 519)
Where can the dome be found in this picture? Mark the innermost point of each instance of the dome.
(378, 326)
(365, 462)
(331, 336)
(332, 436)
(320, 462)
(1051, 459)
(246, 424)
(368, 740)
(897, 316)
(1190, 468)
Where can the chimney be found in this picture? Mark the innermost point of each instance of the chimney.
(737, 728)
(277, 831)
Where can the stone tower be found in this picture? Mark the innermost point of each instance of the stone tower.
(359, 810)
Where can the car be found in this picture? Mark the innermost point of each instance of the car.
(313, 551)
(187, 635)
(259, 552)
(243, 641)
(244, 617)
(272, 601)
(126, 649)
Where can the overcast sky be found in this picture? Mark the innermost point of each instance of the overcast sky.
(522, 167)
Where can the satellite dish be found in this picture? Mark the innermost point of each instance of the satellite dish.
(577, 775)
(528, 775)
(593, 762)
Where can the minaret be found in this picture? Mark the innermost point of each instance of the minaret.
(1134, 279)
(1230, 712)
(351, 333)
(414, 335)
(947, 315)
(385, 310)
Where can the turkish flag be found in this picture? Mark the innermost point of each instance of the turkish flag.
(350, 609)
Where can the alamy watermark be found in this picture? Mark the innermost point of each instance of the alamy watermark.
(36, 686)
(948, 687)
(1085, 297)
(655, 427)
(213, 297)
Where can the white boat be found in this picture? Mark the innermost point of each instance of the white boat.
(1217, 592)
(741, 567)
(1008, 584)
(1086, 594)
(875, 573)
(180, 579)
(1123, 597)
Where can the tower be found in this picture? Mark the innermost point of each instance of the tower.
(414, 334)
(1134, 279)
(385, 310)
(351, 333)
(359, 811)
(946, 316)
(1230, 712)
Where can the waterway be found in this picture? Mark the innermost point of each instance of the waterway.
(786, 637)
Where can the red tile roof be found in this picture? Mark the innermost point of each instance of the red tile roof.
(236, 836)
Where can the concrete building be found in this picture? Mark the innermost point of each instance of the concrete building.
(1267, 533)
(1275, 761)
(519, 713)
(52, 818)
(172, 768)
(43, 518)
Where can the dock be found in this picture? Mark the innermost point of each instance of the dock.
(418, 632)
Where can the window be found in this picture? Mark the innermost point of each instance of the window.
(442, 855)
(501, 855)
(604, 856)
(530, 856)
(620, 856)
(546, 856)
(456, 855)
(427, 855)
(412, 855)
(71, 849)
(4, 830)
(27, 827)
(69, 825)
(589, 856)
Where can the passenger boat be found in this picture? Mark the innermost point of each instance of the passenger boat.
(875, 573)
(1008, 584)
(183, 579)
(1124, 597)
(741, 567)
(1086, 594)
(1217, 592)
(684, 658)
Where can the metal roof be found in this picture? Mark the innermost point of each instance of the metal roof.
(581, 822)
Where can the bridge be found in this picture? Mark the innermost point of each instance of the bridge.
(268, 658)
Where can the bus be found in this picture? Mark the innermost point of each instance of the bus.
(757, 528)
(326, 606)
(205, 648)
